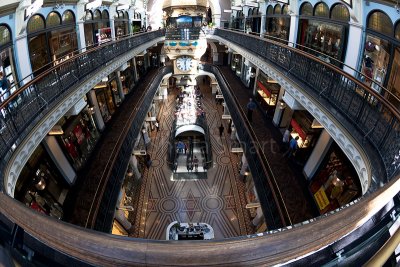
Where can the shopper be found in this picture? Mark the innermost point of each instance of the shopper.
(196, 163)
(157, 125)
(221, 130)
(285, 140)
(251, 106)
(292, 148)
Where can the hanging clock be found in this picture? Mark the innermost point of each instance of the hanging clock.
(184, 63)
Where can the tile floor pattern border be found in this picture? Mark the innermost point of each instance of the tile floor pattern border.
(219, 200)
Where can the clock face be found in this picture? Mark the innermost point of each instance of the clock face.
(184, 63)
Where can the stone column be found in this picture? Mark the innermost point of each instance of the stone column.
(97, 117)
(80, 28)
(119, 86)
(59, 159)
(354, 43)
(318, 154)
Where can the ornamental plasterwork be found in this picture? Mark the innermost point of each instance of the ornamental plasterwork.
(342, 137)
(30, 143)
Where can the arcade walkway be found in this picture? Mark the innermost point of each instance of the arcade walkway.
(218, 200)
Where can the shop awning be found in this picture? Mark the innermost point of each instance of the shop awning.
(264, 88)
(298, 129)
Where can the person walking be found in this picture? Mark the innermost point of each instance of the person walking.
(292, 148)
(221, 130)
(196, 163)
(251, 106)
(285, 140)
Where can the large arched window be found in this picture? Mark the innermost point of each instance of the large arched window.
(89, 15)
(306, 9)
(68, 17)
(97, 15)
(6, 60)
(36, 23)
(340, 12)
(380, 22)
(53, 19)
(285, 10)
(104, 15)
(270, 10)
(5, 35)
(321, 10)
(277, 9)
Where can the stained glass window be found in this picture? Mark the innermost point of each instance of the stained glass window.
(321, 10)
(104, 15)
(5, 35)
(68, 17)
(306, 9)
(285, 10)
(53, 19)
(97, 14)
(89, 15)
(277, 9)
(340, 12)
(35, 23)
(380, 22)
(270, 10)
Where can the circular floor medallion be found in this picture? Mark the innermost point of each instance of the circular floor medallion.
(168, 205)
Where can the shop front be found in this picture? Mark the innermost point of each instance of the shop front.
(236, 63)
(121, 24)
(7, 65)
(79, 137)
(136, 22)
(304, 126)
(40, 185)
(267, 91)
(277, 23)
(107, 96)
(335, 183)
(238, 21)
(127, 77)
(97, 27)
(381, 55)
(320, 34)
(253, 21)
(51, 40)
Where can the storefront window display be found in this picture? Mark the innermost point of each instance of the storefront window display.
(238, 21)
(6, 63)
(326, 38)
(79, 138)
(121, 24)
(127, 78)
(97, 27)
(267, 93)
(107, 97)
(335, 183)
(375, 60)
(40, 186)
(55, 42)
(277, 23)
(381, 52)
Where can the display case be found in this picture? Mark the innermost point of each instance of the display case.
(267, 93)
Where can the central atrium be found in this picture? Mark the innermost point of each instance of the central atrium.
(199, 133)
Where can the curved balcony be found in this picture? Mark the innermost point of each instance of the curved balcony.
(357, 106)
